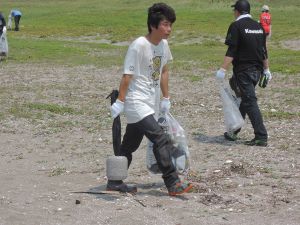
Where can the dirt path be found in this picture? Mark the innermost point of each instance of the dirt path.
(48, 153)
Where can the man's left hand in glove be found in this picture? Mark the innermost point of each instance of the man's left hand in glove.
(165, 105)
(268, 74)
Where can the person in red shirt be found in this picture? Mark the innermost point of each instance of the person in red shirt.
(265, 20)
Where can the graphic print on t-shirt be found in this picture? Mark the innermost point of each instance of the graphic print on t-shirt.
(155, 73)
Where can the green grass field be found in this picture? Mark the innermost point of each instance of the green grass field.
(87, 32)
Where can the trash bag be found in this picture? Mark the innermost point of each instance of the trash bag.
(232, 117)
(3, 45)
(181, 156)
(9, 23)
(116, 127)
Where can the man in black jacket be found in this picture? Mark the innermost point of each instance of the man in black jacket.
(248, 54)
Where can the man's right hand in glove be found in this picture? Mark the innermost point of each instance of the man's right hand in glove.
(268, 74)
(220, 74)
(4, 30)
(117, 108)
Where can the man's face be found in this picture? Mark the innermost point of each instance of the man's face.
(164, 29)
(236, 13)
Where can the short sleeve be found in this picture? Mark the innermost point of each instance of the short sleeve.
(232, 35)
(132, 60)
(232, 40)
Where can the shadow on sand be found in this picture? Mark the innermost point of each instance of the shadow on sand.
(149, 189)
(203, 138)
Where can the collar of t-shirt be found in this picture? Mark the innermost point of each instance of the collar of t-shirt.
(243, 16)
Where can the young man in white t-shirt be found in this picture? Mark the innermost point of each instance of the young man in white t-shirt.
(145, 74)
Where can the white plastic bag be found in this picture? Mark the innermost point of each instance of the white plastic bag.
(9, 23)
(3, 44)
(180, 157)
(232, 117)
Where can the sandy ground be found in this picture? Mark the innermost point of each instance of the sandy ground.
(45, 157)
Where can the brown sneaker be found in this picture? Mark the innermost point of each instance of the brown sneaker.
(120, 186)
(180, 188)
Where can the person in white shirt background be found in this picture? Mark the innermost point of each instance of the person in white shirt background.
(3, 41)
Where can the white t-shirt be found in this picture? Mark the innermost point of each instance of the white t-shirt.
(145, 62)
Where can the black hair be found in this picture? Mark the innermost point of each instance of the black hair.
(158, 12)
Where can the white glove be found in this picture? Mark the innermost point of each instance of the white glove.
(268, 74)
(4, 30)
(220, 74)
(165, 105)
(117, 108)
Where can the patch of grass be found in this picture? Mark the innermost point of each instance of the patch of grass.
(265, 170)
(36, 111)
(52, 34)
(284, 60)
(281, 115)
(54, 108)
(2, 116)
(58, 126)
(20, 111)
(42, 50)
(57, 172)
(194, 78)
(284, 147)
(201, 56)
(19, 156)
(65, 52)
(289, 91)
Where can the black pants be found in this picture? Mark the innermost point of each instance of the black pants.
(247, 81)
(17, 21)
(162, 146)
